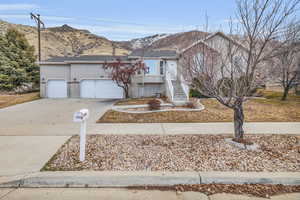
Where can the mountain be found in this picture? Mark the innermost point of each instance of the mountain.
(141, 43)
(164, 41)
(66, 41)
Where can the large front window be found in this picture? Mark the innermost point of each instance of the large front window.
(153, 66)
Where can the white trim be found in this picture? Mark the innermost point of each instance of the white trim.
(154, 58)
(209, 37)
(104, 78)
(195, 43)
(66, 62)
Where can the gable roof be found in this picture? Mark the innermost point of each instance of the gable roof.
(211, 36)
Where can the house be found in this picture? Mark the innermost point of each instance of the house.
(84, 76)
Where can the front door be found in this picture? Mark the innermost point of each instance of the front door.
(172, 69)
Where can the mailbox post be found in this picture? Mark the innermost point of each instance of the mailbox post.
(81, 117)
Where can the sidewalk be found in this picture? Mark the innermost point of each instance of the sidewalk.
(124, 194)
(20, 155)
(194, 128)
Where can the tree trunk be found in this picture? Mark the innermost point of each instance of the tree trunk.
(238, 121)
(285, 93)
(126, 91)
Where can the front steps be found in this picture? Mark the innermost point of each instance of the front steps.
(179, 95)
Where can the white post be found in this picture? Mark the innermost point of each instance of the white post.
(82, 140)
(81, 117)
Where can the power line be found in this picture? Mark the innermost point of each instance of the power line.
(39, 23)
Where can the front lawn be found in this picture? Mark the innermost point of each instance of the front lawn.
(277, 153)
(268, 109)
(13, 99)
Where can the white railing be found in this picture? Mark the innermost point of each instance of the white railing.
(185, 87)
(169, 86)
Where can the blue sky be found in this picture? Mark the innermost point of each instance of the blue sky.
(122, 19)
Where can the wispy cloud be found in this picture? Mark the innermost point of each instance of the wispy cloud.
(125, 32)
(147, 29)
(49, 18)
(58, 18)
(115, 21)
(20, 6)
(8, 16)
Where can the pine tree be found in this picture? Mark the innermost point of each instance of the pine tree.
(17, 61)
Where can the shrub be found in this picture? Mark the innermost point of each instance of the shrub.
(190, 105)
(154, 104)
(197, 94)
(193, 104)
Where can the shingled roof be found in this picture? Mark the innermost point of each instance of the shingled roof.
(86, 58)
(153, 53)
(104, 58)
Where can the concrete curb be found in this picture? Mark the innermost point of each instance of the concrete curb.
(124, 107)
(284, 178)
(94, 179)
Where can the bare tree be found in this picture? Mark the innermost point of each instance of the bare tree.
(229, 69)
(122, 72)
(286, 61)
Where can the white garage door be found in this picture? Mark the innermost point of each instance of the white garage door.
(100, 89)
(57, 89)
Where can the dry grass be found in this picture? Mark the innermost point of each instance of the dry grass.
(270, 109)
(9, 100)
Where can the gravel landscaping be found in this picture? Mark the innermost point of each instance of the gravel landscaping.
(277, 153)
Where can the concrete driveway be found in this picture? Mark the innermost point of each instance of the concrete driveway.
(49, 117)
(30, 133)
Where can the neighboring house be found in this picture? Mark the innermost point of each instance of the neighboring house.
(84, 76)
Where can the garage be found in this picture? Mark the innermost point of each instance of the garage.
(100, 89)
(57, 89)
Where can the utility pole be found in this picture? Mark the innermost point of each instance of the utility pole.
(39, 23)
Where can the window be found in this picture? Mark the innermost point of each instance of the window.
(152, 66)
(237, 62)
(199, 60)
(161, 67)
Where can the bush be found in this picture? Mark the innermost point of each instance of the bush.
(154, 104)
(193, 104)
(197, 94)
(190, 105)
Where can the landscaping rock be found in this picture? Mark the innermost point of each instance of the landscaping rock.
(253, 147)
(278, 153)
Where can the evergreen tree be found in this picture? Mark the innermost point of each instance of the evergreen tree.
(17, 61)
